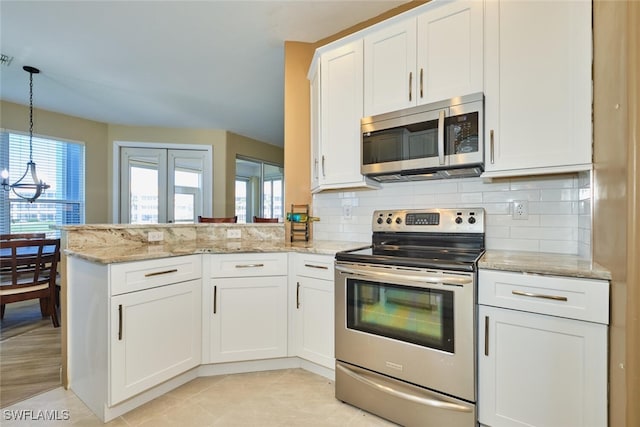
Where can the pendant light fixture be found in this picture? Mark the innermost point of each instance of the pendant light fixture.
(24, 188)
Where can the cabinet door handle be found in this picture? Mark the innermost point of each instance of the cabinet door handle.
(410, 85)
(543, 296)
(486, 335)
(215, 299)
(315, 168)
(441, 137)
(421, 84)
(323, 267)
(120, 322)
(297, 294)
(159, 273)
(491, 144)
(249, 265)
(323, 174)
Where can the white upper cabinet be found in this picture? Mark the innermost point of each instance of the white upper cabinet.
(338, 145)
(314, 95)
(431, 57)
(537, 87)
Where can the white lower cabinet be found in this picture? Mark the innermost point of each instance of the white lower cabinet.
(131, 327)
(312, 308)
(245, 307)
(155, 335)
(540, 369)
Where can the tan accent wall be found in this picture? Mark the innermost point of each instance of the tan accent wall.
(15, 117)
(616, 237)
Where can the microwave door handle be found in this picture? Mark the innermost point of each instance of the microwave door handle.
(441, 137)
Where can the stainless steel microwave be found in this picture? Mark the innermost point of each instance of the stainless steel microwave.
(433, 141)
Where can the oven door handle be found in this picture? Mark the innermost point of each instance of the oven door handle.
(445, 280)
(388, 389)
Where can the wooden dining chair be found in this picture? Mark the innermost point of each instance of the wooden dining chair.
(210, 219)
(28, 269)
(258, 219)
(22, 236)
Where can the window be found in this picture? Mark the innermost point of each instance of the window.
(61, 165)
(259, 189)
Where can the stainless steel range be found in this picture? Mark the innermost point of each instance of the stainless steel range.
(405, 317)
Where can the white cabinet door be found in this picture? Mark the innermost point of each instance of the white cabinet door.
(434, 56)
(313, 311)
(314, 319)
(341, 111)
(450, 51)
(248, 318)
(390, 79)
(154, 335)
(537, 370)
(537, 87)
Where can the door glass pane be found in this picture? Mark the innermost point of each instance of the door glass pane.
(241, 200)
(143, 190)
(184, 207)
(416, 315)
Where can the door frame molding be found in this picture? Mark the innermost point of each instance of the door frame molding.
(207, 189)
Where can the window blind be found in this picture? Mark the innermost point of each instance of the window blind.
(61, 164)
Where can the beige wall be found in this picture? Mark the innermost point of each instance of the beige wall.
(98, 138)
(616, 237)
(15, 117)
(214, 138)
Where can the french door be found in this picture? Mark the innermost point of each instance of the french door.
(161, 185)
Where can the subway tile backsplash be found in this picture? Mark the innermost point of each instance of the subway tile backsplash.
(559, 219)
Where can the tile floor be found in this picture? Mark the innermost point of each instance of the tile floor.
(290, 397)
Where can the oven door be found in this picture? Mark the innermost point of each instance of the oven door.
(415, 325)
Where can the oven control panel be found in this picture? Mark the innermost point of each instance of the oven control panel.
(455, 220)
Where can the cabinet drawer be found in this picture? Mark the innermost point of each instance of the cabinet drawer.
(317, 266)
(574, 298)
(248, 265)
(135, 276)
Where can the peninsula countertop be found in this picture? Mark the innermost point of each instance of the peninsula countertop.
(127, 253)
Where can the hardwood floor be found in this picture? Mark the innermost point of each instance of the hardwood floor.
(29, 353)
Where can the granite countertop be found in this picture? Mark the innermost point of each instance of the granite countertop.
(543, 263)
(126, 253)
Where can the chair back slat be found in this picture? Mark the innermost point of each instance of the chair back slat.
(231, 219)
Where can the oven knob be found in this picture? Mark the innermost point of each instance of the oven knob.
(472, 220)
(459, 220)
(398, 220)
(379, 221)
(388, 220)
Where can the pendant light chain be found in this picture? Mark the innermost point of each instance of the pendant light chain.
(30, 116)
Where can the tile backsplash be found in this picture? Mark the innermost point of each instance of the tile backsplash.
(559, 217)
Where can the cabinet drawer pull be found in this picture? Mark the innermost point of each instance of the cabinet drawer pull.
(486, 335)
(323, 267)
(410, 84)
(249, 265)
(421, 83)
(297, 294)
(543, 296)
(120, 322)
(159, 273)
(215, 299)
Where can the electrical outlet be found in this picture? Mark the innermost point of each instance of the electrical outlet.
(155, 236)
(520, 209)
(234, 233)
(346, 211)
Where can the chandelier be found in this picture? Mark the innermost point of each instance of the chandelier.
(24, 188)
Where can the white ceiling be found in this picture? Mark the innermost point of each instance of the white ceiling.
(185, 64)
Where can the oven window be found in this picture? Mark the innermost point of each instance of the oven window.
(410, 314)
